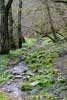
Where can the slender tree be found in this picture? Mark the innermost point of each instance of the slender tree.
(50, 20)
(10, 25)
(21, 38)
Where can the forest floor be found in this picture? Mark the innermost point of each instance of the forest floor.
(37, 71)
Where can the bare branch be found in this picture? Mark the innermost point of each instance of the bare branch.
(60, 1)
(8, 5)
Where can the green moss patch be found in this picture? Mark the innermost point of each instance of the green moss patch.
(3, 96)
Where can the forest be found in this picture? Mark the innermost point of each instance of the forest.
(33, 49)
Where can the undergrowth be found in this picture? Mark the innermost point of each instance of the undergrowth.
(42, 75)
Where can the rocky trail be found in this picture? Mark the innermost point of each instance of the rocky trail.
(11, 87)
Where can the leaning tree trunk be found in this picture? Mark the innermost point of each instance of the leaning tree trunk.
(21, 38)
(4, 29)
(50, 21)
(11, 40)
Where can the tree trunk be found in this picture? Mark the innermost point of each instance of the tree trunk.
(21, 38)
(4, 35)
(50, 21)
(4, 29)
(11, 40)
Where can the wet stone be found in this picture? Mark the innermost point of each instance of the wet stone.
(18, 69)
(15, 73)
(9, 91)
(17, 77)
(8, 83)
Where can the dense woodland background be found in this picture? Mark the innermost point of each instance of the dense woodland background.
(33, 49)
(29, 18)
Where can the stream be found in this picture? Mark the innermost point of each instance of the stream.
(11, 87)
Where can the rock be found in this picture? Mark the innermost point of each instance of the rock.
(26, 78)
(35, 71)
(15, 73)
(9, 91)
(8, 83)
(25, 71)
(17, 77)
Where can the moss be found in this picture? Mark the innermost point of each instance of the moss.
(43, 96)
(62, 79)
(25, 86)
(5, 76)
(3, 96)
(65, 98)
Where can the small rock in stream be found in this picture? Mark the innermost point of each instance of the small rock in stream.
(8, 83)
(17, 77)
(15, 73)
(9, 91)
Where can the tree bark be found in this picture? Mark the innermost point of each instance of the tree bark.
(4, 29)
(60, 1)
(21, 38)
(8, 6)
(4, 49)
(50, 21)
(11, 40)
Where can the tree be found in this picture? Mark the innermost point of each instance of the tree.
(21, 38)
(4, 11)
(50, 21)
(10, 25)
